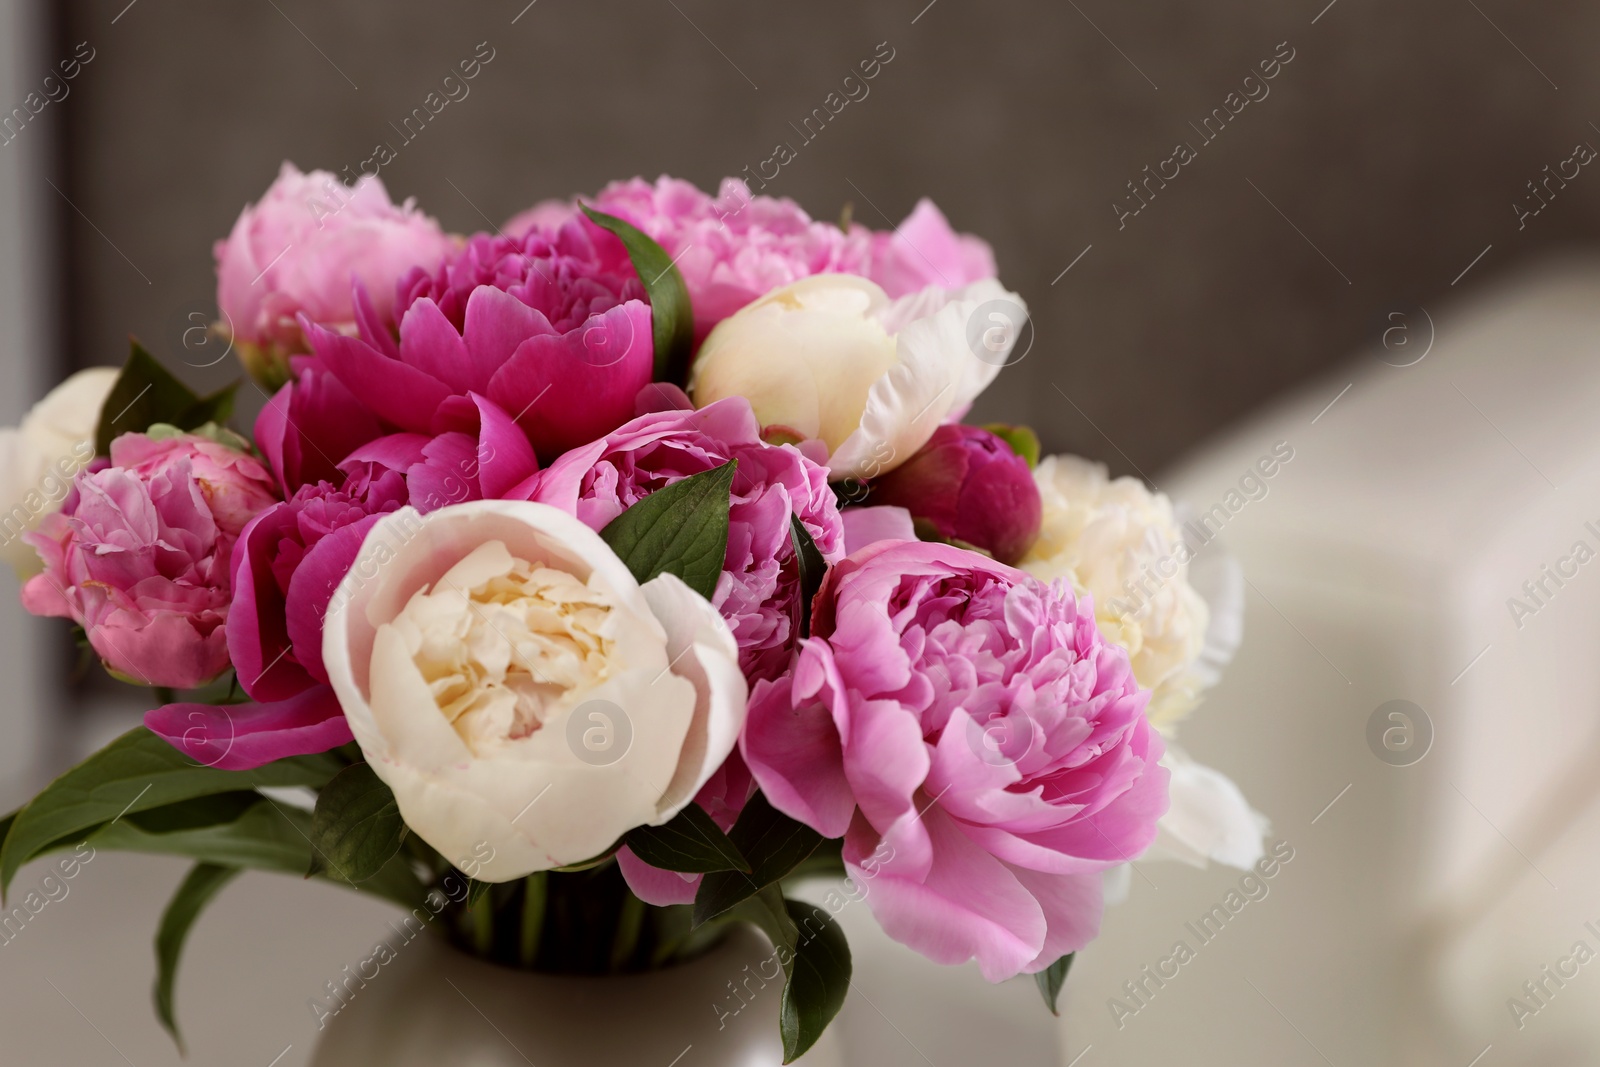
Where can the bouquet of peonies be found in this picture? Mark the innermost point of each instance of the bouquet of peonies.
(602, 575)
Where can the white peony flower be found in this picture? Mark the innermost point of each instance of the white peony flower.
(1120, 544)
(39, 459)
(514, 685)
(832, 358)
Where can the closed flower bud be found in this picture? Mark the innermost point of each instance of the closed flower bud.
(967, 485)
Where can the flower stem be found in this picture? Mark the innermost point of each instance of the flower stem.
(630, 920)
(482, 918)
(535, 897)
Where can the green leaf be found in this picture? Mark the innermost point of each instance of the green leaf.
(261, 836)
(1023, 441)
(671, 318)
(203, 882)
(357, 827)
(1051, 979)
(812, 569)
(691, 843)
(134, 773)
(819, 979)
(146, 393)
(214, 407)
(773, 843)
(816, 964)
(681, 530)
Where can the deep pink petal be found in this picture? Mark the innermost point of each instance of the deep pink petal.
(654, 885)
(399, 393)
(242, 736)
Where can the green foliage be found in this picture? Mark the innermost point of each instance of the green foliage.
(136, 772)
(671, 318)
(681, 530)
(1050, 981)
(690, 843)
(146, 393)
(357, 827)
(773, 843)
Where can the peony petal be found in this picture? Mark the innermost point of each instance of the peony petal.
(968, 905)
(258, 643)
(1209, 818)
(568, 389)
(1072, 904)
(505, 458)
(702, 649)
(399, 393)
(241, 736)
(655, 886)
(865, 525)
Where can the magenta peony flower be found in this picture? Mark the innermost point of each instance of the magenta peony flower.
(302, 247)
(291, 559)
(310, 425)
(553, 327)
(982, 748)
(759, 589)
(969, 486)
(138, 554)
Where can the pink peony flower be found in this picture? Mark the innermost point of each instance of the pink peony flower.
(923, 250)
(291, 559)
(553, 327)
(981, 747)
(736, 247)
(758, 592)
(301, 248)
(969, 486)
(138, 554)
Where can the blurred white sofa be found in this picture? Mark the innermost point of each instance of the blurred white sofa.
(1435, 539)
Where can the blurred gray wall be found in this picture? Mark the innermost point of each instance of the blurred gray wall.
(1386, 156)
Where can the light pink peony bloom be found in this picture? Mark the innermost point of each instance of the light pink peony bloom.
(736, 246)
(758, 592)
(301, 249)
(139, 555)
(981, 747)
(552, 327)
(923, 250)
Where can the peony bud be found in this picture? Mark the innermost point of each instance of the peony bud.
(302, 249)
(969, 486)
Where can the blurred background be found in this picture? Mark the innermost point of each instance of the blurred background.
(1373, 255)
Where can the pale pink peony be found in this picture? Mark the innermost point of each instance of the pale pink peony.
(139, 555)
(301, 249)
(924, 250)
(981, 747)
(736, 246)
